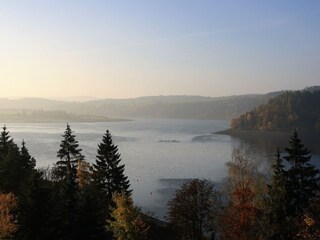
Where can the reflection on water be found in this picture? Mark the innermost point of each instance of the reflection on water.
(159, 154)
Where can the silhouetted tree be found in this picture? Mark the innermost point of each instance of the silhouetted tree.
(12, 174)
(5, 142)
(69, 154)
(108, 177)
(67, 207)
(193, 211)
(292, 188)
(90, 211)
(280, 223)
(36, 209)
(302, 176)
(28, 162)
(108, 173)
(9, 169)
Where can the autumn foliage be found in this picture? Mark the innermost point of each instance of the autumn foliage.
(126, 222)
(241, 215)
(8, 225)
(290, 110)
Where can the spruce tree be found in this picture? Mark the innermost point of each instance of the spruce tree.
(66, 209)
(12, 175)
(11, 171)
(108, 173)
(108, 179)
(28, 162)
(36, 209)
(69, 154)
(5, 142)
(302, 176)
(277, 204)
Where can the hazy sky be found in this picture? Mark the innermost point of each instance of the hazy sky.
(122, 49)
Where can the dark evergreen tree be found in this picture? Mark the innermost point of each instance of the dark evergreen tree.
(66, 210)
(18, 176)
(277, 204)
(27, 168)
(36, 209)
(28, 162)
(69, 154)
(302, 176)
(108, 173)
(11, 171)
(89, 216)
(193, 211)
(5, 142)
(108, 178)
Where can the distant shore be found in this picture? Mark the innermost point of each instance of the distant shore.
(254, 133)
(62, 120)
(274, 139)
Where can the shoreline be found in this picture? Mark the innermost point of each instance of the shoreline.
(254, 133)
(275, 139)
(65, 120)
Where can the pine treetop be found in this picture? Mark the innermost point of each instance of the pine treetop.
(5, 141)
(69, 154)
(69, 147)
(297, 152)
(28, 161)
(302, 177)
(108, 173)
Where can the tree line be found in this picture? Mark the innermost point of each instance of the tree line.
(251, 206)
(73, 200)
(79, 200)
(290, 110)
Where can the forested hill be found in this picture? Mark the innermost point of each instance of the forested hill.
(175, 107)
(290, 110)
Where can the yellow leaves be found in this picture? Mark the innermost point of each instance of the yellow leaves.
(83, 174)
(126, 223)
(8, 225)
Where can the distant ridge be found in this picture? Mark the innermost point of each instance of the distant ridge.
(178, 107)
(76, 99)
(171, 107)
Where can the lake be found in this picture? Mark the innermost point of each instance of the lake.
(159, 155)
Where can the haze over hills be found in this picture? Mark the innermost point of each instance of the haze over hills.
(75, 98)
(175, 107)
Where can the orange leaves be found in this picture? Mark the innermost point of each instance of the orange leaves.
(238, 220)
(241, 215)
(8, 225)
(308, 228)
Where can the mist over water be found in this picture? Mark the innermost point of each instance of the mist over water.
(159, 155)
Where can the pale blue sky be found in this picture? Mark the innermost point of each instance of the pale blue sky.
(122, 49)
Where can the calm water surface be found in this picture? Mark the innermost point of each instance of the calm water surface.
(158, 154)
